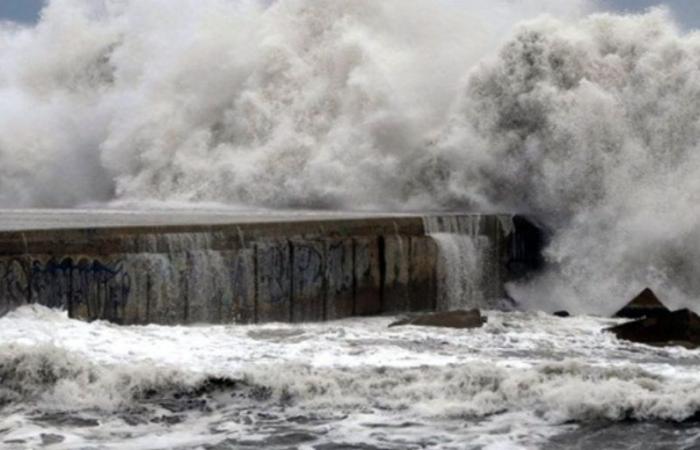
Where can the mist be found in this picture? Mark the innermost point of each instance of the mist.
(587, 122)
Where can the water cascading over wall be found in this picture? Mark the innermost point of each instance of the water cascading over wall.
(295, 271)
(587, 122)
(470, 270)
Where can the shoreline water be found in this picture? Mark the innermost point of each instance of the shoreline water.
(524, 380)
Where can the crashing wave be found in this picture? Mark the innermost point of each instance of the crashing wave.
(57, 380)
(588, 122)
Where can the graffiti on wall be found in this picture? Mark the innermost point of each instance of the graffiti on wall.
(308, 271)
(274, 274)
(70, 283)
(14, 282)
(98, 287)
(308, 280)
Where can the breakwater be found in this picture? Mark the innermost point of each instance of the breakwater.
(287, 271)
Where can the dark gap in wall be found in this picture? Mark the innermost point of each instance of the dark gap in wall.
(382, 272)
(526, 245)
(255, 284)
(354, 277)
(149, 293)
(186, 290)
(325, 291)
(291, 281)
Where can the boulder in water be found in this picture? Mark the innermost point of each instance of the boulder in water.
(645, 304)
(561, 314)
(674, 328)
(451, 319)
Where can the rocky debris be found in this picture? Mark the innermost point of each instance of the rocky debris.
(66, 419)
(645, 304)
(51, 439)
(674, 328)
(451, 319)
(561, 314)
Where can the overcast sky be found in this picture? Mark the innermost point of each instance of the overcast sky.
(687, 11)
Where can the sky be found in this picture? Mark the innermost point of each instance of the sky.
(26, 11)
(687, 11)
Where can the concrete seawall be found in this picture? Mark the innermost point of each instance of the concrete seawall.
(297, 271)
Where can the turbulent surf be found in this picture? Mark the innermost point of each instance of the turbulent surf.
(525, 380)
(586, 122)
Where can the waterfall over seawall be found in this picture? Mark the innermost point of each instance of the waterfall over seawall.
(468, 262)
(586, 121)
(285, 271)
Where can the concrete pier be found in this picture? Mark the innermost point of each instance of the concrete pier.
(248, 272)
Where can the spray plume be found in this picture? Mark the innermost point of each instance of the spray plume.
(588, 122)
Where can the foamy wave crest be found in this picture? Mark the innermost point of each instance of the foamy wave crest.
(559, 392)
(57, 380)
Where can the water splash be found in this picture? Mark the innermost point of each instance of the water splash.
(317, 103)
(589, 128)
(462, 269)
(589, 123)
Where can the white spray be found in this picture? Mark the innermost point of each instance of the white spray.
(591, 124)
(461, 271)
(593, 128)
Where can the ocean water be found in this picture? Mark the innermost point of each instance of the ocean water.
(523, 381)
(258, 109)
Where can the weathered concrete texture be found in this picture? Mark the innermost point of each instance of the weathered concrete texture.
(340, 278)
(308, 281)
(274, 282)
(246, 273)
(14, 284)
(239, 307)
(368, 279)
(396, 266)
(422, 294)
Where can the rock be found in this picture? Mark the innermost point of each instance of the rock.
(65, 419)
(51, 439)
(646, 304)
(674, 328)
(561, 314)
(451, 319)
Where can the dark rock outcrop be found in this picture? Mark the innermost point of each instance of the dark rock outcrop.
(645, 304)
(561, 314)
(674, 328)
(451, 319)
(526, 248)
